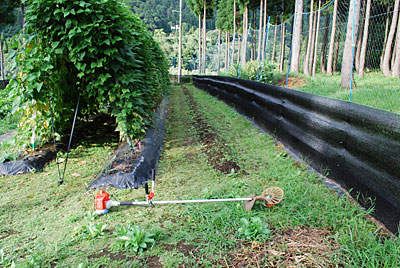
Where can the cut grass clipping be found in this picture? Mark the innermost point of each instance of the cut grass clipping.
(46, 225)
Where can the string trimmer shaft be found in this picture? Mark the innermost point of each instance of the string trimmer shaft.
(271, 196)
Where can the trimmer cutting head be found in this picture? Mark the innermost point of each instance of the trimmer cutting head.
(271, 196)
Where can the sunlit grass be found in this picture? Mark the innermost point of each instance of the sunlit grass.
(373, 90)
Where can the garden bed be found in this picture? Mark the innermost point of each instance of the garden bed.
(132, 165)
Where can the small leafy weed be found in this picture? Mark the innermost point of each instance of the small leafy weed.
(253, 229)
(133, 238)
(91, 230)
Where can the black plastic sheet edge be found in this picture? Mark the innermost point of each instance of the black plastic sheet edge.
(28, 164)
(145, 163)
(358, 146)
(3, 84)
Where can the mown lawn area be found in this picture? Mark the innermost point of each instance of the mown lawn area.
(209, 151)
(373, 89)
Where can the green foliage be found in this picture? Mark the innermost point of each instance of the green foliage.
(225, 15)
(91, 230)
(5, 104)
(7, 11)
(160, 14)
(95, 49)
(252, 71)
(266, 73)
(170, 47)
(133, 238)
(253, 229)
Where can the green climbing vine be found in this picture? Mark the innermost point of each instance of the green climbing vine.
(96, 49)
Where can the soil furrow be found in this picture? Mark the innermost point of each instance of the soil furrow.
(214, 146)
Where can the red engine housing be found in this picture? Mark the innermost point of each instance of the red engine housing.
(100, 200)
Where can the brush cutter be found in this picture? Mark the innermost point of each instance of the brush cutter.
(270, 197)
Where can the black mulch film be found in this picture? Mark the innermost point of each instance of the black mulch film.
(3, 84)
(27, 164)
(85, 131)
(132, 167)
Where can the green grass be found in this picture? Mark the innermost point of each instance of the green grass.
(373, 90)
(41, 222)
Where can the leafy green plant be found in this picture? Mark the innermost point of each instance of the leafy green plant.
(253, 71)
(253, 229)
(91, 230)
(96, 49)
(133, 238)
(266, 73)
(5, 104)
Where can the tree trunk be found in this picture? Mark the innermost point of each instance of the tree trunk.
(310, 32)
(199, 57)
(388, 49)
(337, 50)
(332, 41)
(396, 62)
(226, 49)
(314, 66)
(296, 41)
(324, 44)
(253, 39)
(239, 47)
(180, 43)
(204, 35)
(245, 29)
(219, 51)
(260, 34)
(23, 21)
(386, 34)
(234, 33)
(252, 45)
(347, 61)
(394, 51)
(282, 51)
(274, 46)
(360, 36)
(311, 59)
(1, 58)
(365, 40)
(228, 45)
(264, 30)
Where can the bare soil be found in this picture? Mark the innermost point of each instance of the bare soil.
(214, 146)
(294, 82)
